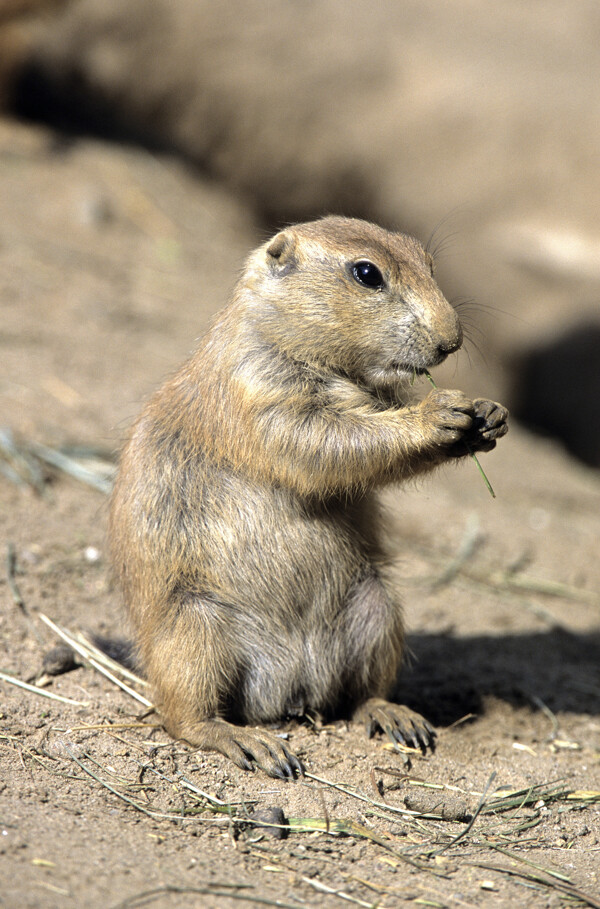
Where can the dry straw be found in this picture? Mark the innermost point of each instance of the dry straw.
(469, 449)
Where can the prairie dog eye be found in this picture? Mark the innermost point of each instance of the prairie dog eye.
(367, 274)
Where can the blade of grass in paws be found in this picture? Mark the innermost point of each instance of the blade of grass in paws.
(470, 450)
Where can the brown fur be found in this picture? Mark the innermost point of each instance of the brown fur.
(244, 526)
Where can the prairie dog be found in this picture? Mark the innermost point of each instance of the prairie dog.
(244, 522)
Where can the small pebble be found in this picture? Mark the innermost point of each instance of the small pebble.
(268, 817)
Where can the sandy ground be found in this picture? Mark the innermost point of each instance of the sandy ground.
(113, 259)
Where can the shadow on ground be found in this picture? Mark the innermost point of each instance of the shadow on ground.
(556, 390)
(451, 677)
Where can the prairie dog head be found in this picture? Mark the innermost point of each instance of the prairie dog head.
(352, 296)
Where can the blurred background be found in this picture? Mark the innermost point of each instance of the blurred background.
(146, 146)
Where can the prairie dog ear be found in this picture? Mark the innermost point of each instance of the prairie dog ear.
(281, 251)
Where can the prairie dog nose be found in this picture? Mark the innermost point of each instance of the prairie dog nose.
(450, 345)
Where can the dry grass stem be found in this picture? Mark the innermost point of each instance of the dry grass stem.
(107, 661)
(11, 572)
(566, 888)
(42, 692)
(100, 478)
(116, 681)
(84, 652)
(520, 858)
(472, 539)
(469, 449)
(323, 888)
(11, 567)
(471, 823)
(110, 727)
(544, 586)
(157, 815)
(405, 812)
(215, 890)
(210, 798)
(522, 798)
(17, 465)
(21, 464)
(508, 581)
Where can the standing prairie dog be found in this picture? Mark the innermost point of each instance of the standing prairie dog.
(244, 522)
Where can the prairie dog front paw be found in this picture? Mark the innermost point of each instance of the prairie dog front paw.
(489, 424)
(491, 419)
(448, 416)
